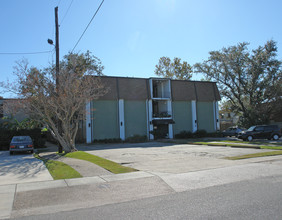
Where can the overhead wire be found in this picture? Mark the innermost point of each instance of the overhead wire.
(66, 12)
(88, 25)
(20, 53)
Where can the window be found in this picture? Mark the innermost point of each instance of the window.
(259, 128)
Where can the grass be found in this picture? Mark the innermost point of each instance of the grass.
(271, 147)
(59, 170)
(239, 145)
(224, 142)
(230, 143)
(263, 154)
(106, 164)
(251, 142)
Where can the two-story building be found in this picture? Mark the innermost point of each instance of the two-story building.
(155, 107)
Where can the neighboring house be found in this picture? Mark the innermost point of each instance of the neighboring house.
(227, 119)
(9, 108)
(140, 106)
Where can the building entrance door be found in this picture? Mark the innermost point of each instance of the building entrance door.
(160, 131)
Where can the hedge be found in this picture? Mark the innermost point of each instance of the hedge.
(7, 135)
(197, 134)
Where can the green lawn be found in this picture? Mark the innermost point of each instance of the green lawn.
(230, 143)
(59, 170)
(252, 142)
(106, 164)
(263, 154)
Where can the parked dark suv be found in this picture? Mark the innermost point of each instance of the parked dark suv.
(261, 132)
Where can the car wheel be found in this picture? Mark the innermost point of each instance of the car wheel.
(275, 137)
(11, 153)
(250, 138)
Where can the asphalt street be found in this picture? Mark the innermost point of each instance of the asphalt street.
(167, 173)
(259, 198)
(29, 199)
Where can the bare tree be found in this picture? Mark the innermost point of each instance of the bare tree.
(78, 82)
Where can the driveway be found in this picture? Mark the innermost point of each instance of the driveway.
(169, 158)
(20, 168)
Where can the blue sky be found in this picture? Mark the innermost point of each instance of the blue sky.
(129, 36)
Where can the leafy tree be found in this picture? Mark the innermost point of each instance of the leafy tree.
(249, 80)
(173, 69)
(48, 103)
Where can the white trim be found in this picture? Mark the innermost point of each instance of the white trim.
(216, 116)
(151, 87)
(88, 124)
(194, 116)
(170, 128)
(121, 119)
(169, 107)
(170, 131)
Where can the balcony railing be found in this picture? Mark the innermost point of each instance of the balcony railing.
(161, 95)
(165, 114)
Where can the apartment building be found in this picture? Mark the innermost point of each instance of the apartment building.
(155, 107)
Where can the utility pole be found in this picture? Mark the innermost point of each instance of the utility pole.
(60, 149)
(57, 47)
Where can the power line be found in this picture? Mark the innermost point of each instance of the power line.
(66, 12)
(26, 53)
(88, 25)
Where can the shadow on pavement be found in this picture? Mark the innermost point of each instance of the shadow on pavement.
(86, 147)
(21, 165)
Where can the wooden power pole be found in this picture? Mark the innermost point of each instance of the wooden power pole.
(60, 149)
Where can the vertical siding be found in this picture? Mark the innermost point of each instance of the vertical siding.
(205, 116)
(105, 119)
(135, 119)
(182, 115)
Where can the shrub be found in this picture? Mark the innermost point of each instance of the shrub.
(108, 140)
(7, 135)
(215, 134)
(184, 135)
(136, 138)
(200, 133)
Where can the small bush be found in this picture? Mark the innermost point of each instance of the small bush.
(108, 140)
(136, 139)
(200, 133)
(215, 134)
(197, 134)
(184, 135)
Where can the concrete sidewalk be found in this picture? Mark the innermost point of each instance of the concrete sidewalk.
(36, 198)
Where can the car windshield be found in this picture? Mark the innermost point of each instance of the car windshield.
(251, 128)
(21, 139)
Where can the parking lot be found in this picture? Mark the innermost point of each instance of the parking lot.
(20, 168)
(169, 158)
